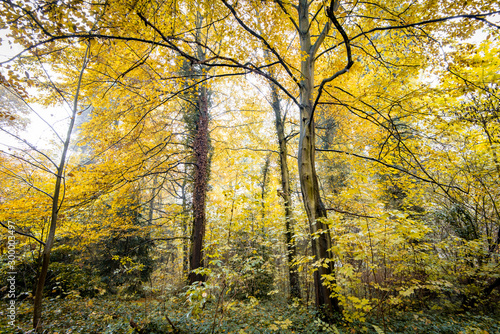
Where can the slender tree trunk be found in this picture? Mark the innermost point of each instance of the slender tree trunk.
(293, 275)
(233, 202)
(152, 201)
(56, 205)
(315, 209)
(263, 186)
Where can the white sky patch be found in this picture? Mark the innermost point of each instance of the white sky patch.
(42, 120)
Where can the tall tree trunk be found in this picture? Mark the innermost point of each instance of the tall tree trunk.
(263, 186)
(185, 228)
(56, 205)
(201, 154)
(201, 148)
(315, 209)
(293, 275)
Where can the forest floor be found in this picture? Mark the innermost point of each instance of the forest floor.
(116, 315)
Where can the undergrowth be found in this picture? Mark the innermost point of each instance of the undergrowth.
(176, 315)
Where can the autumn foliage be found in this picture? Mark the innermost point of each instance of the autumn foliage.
(251, 166)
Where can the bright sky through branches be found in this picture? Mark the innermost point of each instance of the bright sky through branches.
(37, 131)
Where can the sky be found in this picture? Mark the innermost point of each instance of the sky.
(38, 131)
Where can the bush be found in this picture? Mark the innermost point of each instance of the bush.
(64, 276)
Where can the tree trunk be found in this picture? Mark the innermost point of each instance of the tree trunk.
(293, 275)
(185, 229)
(316, 213)
(201, 150)
(37, 306)
(263, 187)
(201, 147)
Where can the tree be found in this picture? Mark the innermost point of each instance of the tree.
(56, 171)
(201, 154)
(56, 200)
(286, 193)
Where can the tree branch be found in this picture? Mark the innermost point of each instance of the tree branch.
(479, 17)
(280, 3)
(393, 167)
(320, 39)
(331, 15)
(24, 234)
(350, 213)
(255, 34)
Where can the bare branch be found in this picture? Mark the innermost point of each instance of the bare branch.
(396, 168)
(479, 17)
(22, 233)
(320, 39)
(264, 41)
(41, 166)
(280, 3)
(350, 62)
(30, 146)
(350, 213)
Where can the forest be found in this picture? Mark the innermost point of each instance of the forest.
(250, 166)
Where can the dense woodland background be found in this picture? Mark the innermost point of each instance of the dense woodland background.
(252, 166)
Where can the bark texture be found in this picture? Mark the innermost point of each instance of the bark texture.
(201, 148)
(315, 209)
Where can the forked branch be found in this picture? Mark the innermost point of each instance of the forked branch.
(331, 15)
